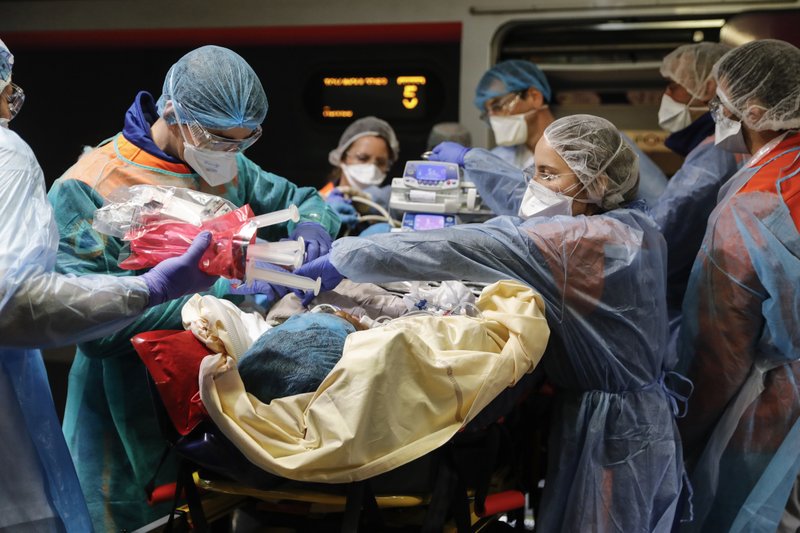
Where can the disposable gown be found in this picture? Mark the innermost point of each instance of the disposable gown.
(683, 209)
(740, 344)
(38, 486)
(503, 190)
(109, 423)
(616, 462)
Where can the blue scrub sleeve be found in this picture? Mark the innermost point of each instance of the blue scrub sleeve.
(500, 184)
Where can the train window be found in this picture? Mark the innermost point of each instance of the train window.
(608, 68)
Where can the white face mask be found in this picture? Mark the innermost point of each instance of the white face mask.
(728, 135)
(540, 201)
(673, 116)
(363, 175)
(217, 168)
(4, 122)
(511, 130)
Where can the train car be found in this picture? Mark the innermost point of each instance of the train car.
(324, 64)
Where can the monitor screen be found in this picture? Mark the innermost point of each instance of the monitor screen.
(423, 222)
(431, 172)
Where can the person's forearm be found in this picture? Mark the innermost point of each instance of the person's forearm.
(472, 252)
(50, 309)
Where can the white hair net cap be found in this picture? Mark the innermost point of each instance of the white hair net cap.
(690, 66)
(760, 82)
(218, 88)
(6, 65)
(364, 127)
(595, 151)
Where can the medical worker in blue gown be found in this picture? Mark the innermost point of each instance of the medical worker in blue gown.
(211, 109)
(514, 97)
(600, 264)
(740, 335)
(682, 210)
(39, 490)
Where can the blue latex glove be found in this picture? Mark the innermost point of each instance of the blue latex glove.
(344, 208)
(320, 267)
(318, 241)
(449, 152)
(180, 275)
(336, 195)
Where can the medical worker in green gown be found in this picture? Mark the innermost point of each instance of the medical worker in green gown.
(194, 136)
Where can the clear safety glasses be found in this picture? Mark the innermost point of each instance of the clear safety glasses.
(716, 106)
(15, 100)
(500, 106)
(204, 139)
(530, 174)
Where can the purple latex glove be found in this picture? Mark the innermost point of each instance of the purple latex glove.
(320, 267)
(270, 291)
(318, 241)
(180, 275)
(449, 152)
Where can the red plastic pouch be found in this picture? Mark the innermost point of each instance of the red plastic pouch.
(173, 359)
(231, 233)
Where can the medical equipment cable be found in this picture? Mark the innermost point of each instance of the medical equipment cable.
(384, 214)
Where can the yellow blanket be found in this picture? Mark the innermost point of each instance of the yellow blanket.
(399, 391)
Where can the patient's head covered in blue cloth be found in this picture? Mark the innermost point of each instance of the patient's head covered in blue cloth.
(295, 356)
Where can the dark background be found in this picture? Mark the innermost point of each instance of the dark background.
(78, 97)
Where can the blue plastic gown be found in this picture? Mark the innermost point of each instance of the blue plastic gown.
(740, 344)
(39, 490)
(683, 209)
(502, 190)
(109, 423)
(615, 462)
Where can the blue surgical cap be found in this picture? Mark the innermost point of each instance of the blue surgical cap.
(509, 77)
(217, 87)
(6, 64)
(294, 357)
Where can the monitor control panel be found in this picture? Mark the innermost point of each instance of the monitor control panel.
(431, 175)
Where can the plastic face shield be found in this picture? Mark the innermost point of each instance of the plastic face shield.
(204, 139)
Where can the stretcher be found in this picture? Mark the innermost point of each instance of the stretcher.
(464, 484)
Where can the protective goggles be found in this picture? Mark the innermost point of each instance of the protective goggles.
(15, 100)
(202, 138)
(531, 174)
(716, 106)
(501, 106)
